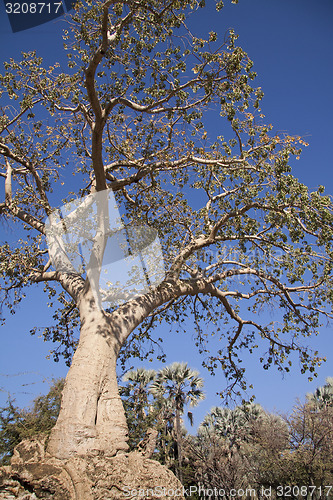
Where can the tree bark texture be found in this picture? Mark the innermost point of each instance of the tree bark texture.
(92, 417)
(33, 474)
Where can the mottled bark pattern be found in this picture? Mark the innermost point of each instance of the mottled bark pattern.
(92, 417)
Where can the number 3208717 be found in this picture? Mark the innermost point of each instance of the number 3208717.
(33, 8)
(304, 491)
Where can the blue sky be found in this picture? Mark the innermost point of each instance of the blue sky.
(290, 42)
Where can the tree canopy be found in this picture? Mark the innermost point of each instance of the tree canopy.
(240, 234)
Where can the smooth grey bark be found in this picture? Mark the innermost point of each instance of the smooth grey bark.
(92, 417)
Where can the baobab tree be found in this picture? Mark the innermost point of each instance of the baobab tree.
(238, 231)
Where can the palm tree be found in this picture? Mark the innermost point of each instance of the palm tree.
(239, 448)
(179, 386)
(233, 425)
(138, 382)
(323, 396)
(135, 396)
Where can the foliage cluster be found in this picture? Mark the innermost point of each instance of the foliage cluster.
(248, 448)
(18, 424)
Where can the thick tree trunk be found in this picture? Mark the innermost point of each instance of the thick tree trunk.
(92, 418)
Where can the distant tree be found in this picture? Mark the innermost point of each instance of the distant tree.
(234, 425)
(139, 381)
(215, 451)
(239, 233)
(180, 386)
(10, 430)
(246, 447)
(140, 412)
(310, 460)
(239, 448)
(164, 412)
(323, 396)
(17, 424)
(266, 451)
